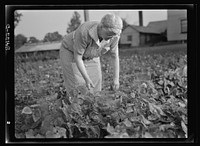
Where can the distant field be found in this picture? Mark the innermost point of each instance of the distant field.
(154, 49)
(46, 55)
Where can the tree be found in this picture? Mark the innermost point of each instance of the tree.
(74, 23)
(50, 37)
(33, 40)
(20, 40)
(17, 18)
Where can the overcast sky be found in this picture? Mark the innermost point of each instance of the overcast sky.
(38, 23)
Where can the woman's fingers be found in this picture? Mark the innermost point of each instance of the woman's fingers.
(90, 85)
(115, 87)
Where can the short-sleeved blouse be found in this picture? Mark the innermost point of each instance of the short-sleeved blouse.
(84, 40)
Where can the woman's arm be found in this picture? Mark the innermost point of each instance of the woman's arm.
(116, 69)
(81, 67)
(80, 44)
(115, 62)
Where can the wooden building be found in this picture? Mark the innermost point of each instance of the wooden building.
(48, 50)
(177, 25)
(48, 46)
(160, 26)
(134, 36)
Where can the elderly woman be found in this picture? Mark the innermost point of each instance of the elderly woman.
(81, 49)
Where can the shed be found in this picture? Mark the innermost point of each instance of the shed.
(37, 51)
(50, 46)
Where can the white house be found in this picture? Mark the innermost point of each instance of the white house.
(177, 25)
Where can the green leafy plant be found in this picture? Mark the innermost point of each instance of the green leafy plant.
(151, 101)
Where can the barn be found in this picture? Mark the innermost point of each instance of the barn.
(48, 50)
(177, 25)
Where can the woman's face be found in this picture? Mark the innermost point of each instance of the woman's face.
(106, 35)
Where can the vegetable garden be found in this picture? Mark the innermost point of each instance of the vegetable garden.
(151, 101)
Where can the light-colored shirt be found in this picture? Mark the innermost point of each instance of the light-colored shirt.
(84, 40)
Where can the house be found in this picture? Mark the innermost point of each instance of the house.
(177, 25)
(174, 29)
(133, 36)
(160, 26)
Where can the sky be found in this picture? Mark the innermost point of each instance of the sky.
(38, 23)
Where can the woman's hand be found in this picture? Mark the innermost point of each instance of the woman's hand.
(81, 67)
(115, 85)
(89, 84)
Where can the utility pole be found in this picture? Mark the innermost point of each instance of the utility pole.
(140, 18)
(86, 15)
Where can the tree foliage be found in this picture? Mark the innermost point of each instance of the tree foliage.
(20, 40)
(33, 40)
(17, 18)
(50, 37)
(74, 23)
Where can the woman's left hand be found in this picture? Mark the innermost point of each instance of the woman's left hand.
(115, 85)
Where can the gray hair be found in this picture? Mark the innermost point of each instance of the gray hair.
(112, 23)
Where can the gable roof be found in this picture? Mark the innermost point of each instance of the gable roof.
(144, 29)
(160, 26)
(39, 47)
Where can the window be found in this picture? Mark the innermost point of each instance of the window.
(129, 38)
(183, 25)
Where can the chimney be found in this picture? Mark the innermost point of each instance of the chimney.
(140, 18)
(86, 15)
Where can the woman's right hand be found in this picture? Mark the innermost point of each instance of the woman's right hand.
(81, 67)
(89, 84)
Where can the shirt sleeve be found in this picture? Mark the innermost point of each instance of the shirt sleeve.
(80, 41)
(114, 47)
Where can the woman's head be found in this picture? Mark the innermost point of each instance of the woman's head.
(110, 25)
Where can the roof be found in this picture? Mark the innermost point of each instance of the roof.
(144, 29)
(39, 47)
(160, 26)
